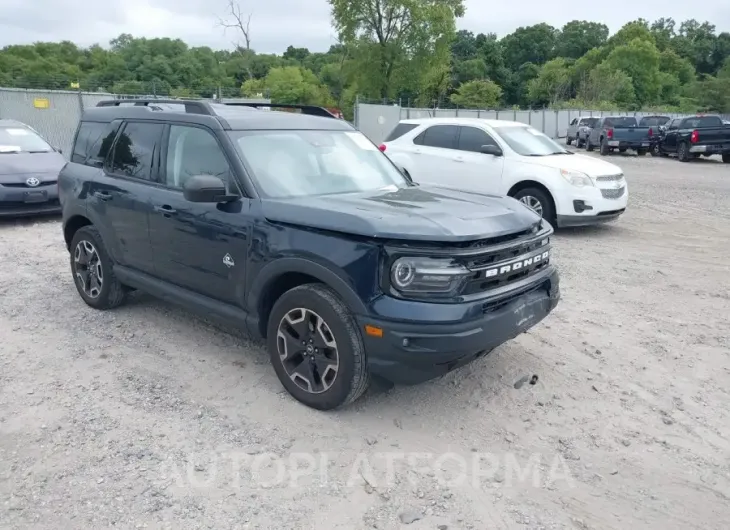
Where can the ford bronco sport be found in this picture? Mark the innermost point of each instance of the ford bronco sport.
(299, 230)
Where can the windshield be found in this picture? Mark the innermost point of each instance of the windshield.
(527, 141)
(20, 139)
(303, 163)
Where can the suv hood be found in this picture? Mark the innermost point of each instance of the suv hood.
(593, 167)
(34, 163)
(417, 213)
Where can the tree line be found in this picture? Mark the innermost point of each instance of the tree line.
(409, 50)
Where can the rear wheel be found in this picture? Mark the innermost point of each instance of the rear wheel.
(92, 270)
(683, 152)
(604, 147)
(568, 141)
(726, 158)
(316, 348)
(589, 146)
(578, 142)
(539, 201)
(655, 151)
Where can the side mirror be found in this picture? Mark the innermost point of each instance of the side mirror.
(494, 150)
(206, 188)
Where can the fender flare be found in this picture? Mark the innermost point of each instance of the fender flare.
(281, 266)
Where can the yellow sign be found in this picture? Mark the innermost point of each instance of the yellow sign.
(41, 103)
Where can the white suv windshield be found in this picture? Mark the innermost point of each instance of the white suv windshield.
(527, 141)
(20, 139)
(302, 163)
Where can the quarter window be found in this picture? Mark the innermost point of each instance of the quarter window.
(92, 143)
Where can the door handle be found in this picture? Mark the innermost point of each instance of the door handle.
(165, 210)
(103, 195)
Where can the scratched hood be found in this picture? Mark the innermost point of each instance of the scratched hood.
(414, 213)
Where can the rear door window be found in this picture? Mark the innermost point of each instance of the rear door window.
(136, 149)
(443, 136)
(400, 130)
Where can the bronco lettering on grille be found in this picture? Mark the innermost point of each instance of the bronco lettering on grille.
(517, 265)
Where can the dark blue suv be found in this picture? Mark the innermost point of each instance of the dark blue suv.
(298, 229)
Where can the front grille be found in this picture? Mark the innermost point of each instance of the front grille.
(613, 193)
(610, 178)
(24, 185)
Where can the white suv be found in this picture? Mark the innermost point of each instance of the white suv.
(509, 158)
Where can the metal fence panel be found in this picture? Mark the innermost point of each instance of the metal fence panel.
(376, 121)
(54, 115)
(553, 123)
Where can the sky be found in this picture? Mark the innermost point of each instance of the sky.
(275, 24)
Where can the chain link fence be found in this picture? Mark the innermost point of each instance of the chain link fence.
(55, 114)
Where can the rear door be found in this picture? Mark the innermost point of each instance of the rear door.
(435, 154)
(119, 197)
(669, 143)
(477, 171)
(201, 247)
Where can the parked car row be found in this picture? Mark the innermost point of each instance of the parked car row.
(686, 138)
(512, 159)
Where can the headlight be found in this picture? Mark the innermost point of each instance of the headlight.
(576, 178)
(426, 275)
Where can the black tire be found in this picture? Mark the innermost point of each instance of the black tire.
(726, 158)
(546, 201)
(683, 152)
(568, 140)
(641, 152)
(655, 150)
(621, 149)
(578, 142)
(605, 150)
(352, 375)
(589, 146)
(112, 293)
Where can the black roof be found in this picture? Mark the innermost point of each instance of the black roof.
(228, 116)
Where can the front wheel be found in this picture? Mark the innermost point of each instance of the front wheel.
(539, 201)
(589, 146)
(316, 348)
(568, 141)
(578, 142)
(655, 151)
(726, 158)
(92, 270)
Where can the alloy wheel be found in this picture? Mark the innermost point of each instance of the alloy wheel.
(308, 350)
(88, 269)
(533, 203)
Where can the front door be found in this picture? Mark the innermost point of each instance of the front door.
(119, 196)
(479, 171)
(201, 247)
(435, 153)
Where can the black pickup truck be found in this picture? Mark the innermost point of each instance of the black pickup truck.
(691, 137)
(619, 132)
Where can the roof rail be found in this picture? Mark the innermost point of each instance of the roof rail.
(191, 106)
(312, 110)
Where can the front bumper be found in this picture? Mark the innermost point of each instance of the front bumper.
(591, 205)
(410, 352)
(18, 201)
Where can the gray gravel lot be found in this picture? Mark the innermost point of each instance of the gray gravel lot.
(146, 417)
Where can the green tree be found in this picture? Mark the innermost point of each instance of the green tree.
(639, 59)
(580, 36)
(399, 29)
(532, 44)
(606, 86)
(481, 94)
(290, 85)
(552, 84)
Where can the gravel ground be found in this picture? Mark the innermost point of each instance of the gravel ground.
(146, 417)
